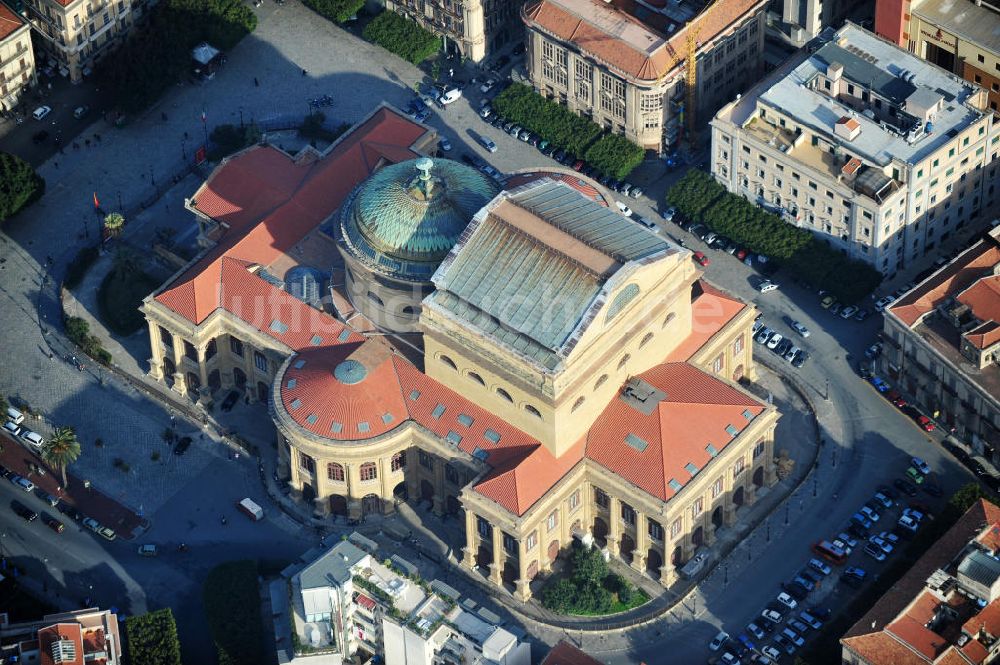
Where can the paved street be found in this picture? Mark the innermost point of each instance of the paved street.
(868, 440)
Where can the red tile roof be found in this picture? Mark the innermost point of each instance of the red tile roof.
(976, 262)
(9, 22)
(267, 202)
(364, 601)
(565, 653)
(882, 636)
(697, 410)
(984, 335)
(711, 310)
(579, 24)
(983, 298)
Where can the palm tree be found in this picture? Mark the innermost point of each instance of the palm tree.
(114, 222)
(61, 450)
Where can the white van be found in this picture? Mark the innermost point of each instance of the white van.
(34, 438)
(14, 415)
(12, 428)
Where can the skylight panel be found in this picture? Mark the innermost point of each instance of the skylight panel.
(312, 418)
(674, 485)
(465, 419)
(387, 418)
(480, 454)
(299, 364)
(292, 383)
(492, 436)
(344, 334)
(296, 403)
(364, 427)
(438, 412)
(711, 450)
(732, 431)
(414, 395)
(278, 327)
(315, 340)
(691, 468)
(336, 427)
(748, 414)
(636, 442)
(454, 437)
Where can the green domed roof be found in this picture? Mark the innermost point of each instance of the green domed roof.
(406, 217)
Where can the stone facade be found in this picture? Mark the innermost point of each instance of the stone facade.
(17, 59)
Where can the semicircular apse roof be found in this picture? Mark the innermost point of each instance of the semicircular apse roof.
(406, 217)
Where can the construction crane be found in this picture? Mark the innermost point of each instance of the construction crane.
(691, 75)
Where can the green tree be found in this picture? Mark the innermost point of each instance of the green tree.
(126, 263)
(335, 10)
(4, 405)
(19, 185)
(589, 566)
(61, 450)
(967, 495)
(560, 596)
(152, 638)
(232, 607)
(401, 36)
(114, 222)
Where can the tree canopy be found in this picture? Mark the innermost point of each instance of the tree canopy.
(19, 185)
(403, 37)
(61, 449)
(337, 11)
(152, 638)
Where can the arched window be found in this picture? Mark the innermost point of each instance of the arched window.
(478, 379)
(335, 472)
(506, 395)
(449, 362)
(375, 299)
(600, 381)
(533, 411)
(625, 359)
(578, 403)
(398, 461)
(670, 317)
(369, 471)
(645, 339)
(624, 297)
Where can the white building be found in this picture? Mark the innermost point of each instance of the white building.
(345, 602)
(875, 150)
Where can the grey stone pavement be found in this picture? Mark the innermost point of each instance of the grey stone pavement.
(867, 440)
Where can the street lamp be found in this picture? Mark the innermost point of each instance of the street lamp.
(767, 530)
(151, 181)
(241, 117)
(121, 208)
(786, 513)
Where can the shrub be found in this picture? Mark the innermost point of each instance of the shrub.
(152, 638)
(78, 332)
(85, 257)
(699, 197)
(614, 155)
(232, 607)
(337, 11)
(19, 185)
(155, 456)
(403, 37)
(312, 128)
(588, 587)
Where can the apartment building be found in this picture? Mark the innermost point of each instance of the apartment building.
(798, 21)
(77, 34)
(84, 636)
(348, 603)
(627, 74)
(473, 29)
(876, 151)
(960, 36)
(945, 609)
(17, 58)
(941, 345)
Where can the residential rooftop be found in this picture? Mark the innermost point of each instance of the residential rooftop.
(929, 104)
(959, 307)
(968, 20)
(946, 609)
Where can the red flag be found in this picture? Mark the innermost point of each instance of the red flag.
(97, 204)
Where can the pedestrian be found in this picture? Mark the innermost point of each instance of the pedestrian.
(304, 72)
(185, 136)
(56, 164)
(256, 83)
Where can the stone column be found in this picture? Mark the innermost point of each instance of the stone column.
(614, 526)
(321, 504)
(728, 512)
(180, 383)
(707, 527)
(204, 392)
(687, 549)
(750, 492)
(641, 543)
(439, 491)
(156, 352)
(522, 588)
(770, 473)
(496, 568)
(470, 549)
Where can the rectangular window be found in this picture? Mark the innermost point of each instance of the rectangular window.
(552, 521)
(531, 541)
(654, 530)
(426, 460)
(236, 346)
(509, 544)
(190, 351)
(306, 463)
(601, 498)
(758, 450)
(697, 508)
(717, 365)
(717, 488)
(484, 528)
(260, 361)
(628, 514)
(166, 339)
(739, 467)
(675, 528)
(574, 500)
(738, 345)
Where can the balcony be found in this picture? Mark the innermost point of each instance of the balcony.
(19, 54)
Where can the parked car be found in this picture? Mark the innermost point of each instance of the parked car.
(771, 616)
(755, 630)
(775, 340)
(879, 384)
(800, 329)
(800, 358)
(669, 214)
(98, 528)
(915, 475)
(787, 601)
(848, 312)
(882, 303)
(41, 112)
(883, 500)
(53, 523)
(869, 512)
(810, 620)
(905, 487)
(862, 314)
(719, 640)
(22, 511)
(925, 423)
(487, 143)
(444, 144)
(623, 209)
(80, 111)
(182, 445)
(873, 351)
(874, 552)
(794, 591)
(767, 286)
(827, 301)
(25, 484)
(450, 95)
(147, 550)
(763, 335)
(700, 259)
(819, 566)
(488, 84)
